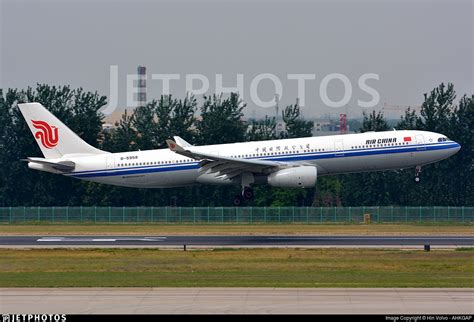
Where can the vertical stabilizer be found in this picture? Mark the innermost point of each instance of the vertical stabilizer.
(53, 137)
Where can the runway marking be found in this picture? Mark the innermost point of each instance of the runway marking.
(69, 239)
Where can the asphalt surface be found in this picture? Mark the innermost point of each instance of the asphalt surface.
(237, 241)
(120, 300)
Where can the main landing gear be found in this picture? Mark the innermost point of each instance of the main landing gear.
(247, 194)
(417, 178)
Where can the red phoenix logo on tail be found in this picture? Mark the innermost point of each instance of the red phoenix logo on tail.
(47, 134)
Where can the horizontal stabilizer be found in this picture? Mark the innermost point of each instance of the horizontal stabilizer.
(60, 166)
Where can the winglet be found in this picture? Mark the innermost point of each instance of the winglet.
(181, 142)
(173, 146)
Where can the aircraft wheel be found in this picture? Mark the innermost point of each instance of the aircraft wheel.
(238, 200)
(417, 179)
(247, 193)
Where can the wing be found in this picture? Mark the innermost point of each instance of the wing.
(224, 165)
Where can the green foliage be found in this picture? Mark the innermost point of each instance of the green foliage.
(221, 121)
(173, 117)
(20, 186)
(408, 121)
(296, 127)
(150, 125)
(371, 188)
(262, 130)
(374, 121)
(328, 192)
(448, 182)
(445, 183)
(437, 109)
(124, 136)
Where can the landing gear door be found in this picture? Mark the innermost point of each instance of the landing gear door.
(110, 162)
(339, 148)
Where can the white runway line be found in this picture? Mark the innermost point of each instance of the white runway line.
(69, 239)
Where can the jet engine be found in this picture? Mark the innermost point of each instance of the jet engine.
(297, 177)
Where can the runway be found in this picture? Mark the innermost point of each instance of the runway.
(236, 241)
(236, 300)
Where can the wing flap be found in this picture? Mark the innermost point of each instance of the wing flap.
(224, 165)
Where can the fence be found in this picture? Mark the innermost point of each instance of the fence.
(233, 214)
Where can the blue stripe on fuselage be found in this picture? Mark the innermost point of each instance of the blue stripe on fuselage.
(273, 157)
(294, 157)
(112, 173)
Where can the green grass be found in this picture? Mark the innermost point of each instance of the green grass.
(236, 268)
(239, 229)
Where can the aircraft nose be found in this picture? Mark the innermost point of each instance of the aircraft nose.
(456, 147)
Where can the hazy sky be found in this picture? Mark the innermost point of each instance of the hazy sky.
(412, 45)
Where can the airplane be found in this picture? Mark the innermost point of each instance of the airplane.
(287, 163)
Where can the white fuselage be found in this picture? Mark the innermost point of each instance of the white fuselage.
(370, 151)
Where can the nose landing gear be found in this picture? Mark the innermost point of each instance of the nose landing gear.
(417, 178)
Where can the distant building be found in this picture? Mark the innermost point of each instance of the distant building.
(280, 127)
(141, 85)
(106, 127)
(324, 127)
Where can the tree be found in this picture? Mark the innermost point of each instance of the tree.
(408, 121)
(462, 132)
(374, 121)
(370, 188)
(78, 109)
(144, 124)
(182, 120)
(221, 120)
(123, 138)
(262, 130)
(437, 109)
(296, 126)
(446, 182)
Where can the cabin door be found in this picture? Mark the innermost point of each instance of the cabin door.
(110, 162)
(339, 148)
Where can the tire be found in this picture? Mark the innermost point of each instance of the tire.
(248, 193)
(417, 179)
(238, 200)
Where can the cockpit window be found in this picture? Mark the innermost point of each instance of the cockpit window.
(442, 139)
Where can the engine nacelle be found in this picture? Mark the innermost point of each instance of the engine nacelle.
(297, 177)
